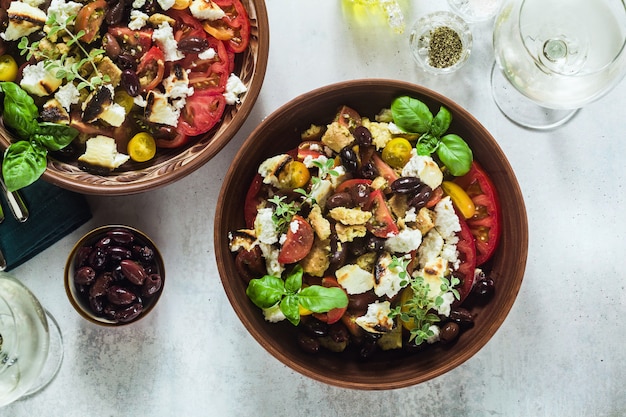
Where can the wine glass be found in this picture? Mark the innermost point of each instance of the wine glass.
(31, 346)
(555, 56)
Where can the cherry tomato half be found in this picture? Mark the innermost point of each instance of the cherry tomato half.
(334, 315)
(89, 19)
(298, 243)
(8, 68)
(151, 69)
(141, 147)
(381, 224)
(294, 175)
(485, 223)
(201, 113)
(397, 152)
(252, 201)
(467, 256)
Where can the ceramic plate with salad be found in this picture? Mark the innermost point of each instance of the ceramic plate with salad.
(374, 233)
(120, 96)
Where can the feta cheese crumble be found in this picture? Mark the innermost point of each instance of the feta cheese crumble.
(234, 88)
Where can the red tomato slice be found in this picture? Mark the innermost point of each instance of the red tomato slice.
(209, 75)
(134, 43)
(485, 224)
(298, 243)
(253, 198)
(89, 19)
(334, 315)
(384, 170)
(381, 224)
(435, 197)
(346, 185)
(151, 69)
(201, 113)
(234, 27)
(467, 255)
(172, 140)
(348, 117)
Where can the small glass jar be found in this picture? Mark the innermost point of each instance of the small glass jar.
(475, 10)
(441, 42)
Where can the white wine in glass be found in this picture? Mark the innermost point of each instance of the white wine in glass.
(31, 348)
(555, 56)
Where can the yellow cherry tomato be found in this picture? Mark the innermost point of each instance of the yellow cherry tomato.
(142, 147)
(8, 68)
(124, 99)
(304, 311)
(397, 152)
(181, 4)
(459, 198)
(294, 175)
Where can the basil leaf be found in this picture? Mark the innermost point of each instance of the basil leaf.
(290, 308)
(426, 144)
(441, 122)
(24, 162)
(55, 136)
(20, 112)
(455, 154)
(265, 292)
(320, 299)
(293, 283)
(411, 115)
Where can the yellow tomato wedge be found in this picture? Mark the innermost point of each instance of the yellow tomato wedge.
(142, 147)
(8, 68)
(459, 198)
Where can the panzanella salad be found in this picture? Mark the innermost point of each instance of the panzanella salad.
(115, 79)
(373, 234)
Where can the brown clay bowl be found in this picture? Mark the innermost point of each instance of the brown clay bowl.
(392, 369)
(170, 165)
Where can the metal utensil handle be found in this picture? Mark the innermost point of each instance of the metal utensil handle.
(16, 204)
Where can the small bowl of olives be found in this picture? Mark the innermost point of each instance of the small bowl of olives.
(114, 275)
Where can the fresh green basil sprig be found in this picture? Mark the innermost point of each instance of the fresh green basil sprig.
(25, 160)
(269, 290)
(413, 116)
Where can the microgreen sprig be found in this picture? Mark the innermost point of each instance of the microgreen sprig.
(66, 66)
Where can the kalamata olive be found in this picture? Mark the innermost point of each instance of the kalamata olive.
(349, 159)
(126, 62)
(362, 135)
(420, 199)
(85, 275)
(111, 46)
(120, 296)
(307, 343)
(406, 185)
(358, 303)
(130, 82)
(315, 328)
(133, 271)
(151, 285)
(117, 253)
(129, 313)
(121, 236)
(462, 316)
(97, 259)
(338, 332)
(342, 199)
(360, 194)
(483, 289)
(338, 252)
(375, 244)
(150, 7)
(250, 263)
(82, 256)
(144, 253)
(103, 243)
(368, 348)
(192, 44)
(449, 332)
(101, 285)
(115, 13)
(96, 304)
(368, 171)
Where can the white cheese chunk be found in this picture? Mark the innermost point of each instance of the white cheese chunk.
(446, 220)
(159, 110)
(164, 35)
(377, 319)
(138, 19)
(388, 282)
(404, 242)
(102, 151)
(166, 4)
(234, 88)
(38, 81)
(424, 168)
(274, 314)
(114, 114)
(62, 9)
(67, 95)
(24, 19)
(354, 279)
(264, 226)
(206, 10)
(270, 254)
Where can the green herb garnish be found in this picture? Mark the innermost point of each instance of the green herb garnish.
(283, 213)
(25, 160)
(419, 310)
(269, 291)
(413, 116)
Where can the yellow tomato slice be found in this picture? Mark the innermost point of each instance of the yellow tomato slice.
(397, 152)
(294, 175)
(142, 147)
(8, 68)
(459, 198)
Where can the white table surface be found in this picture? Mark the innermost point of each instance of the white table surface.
(560, 352)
